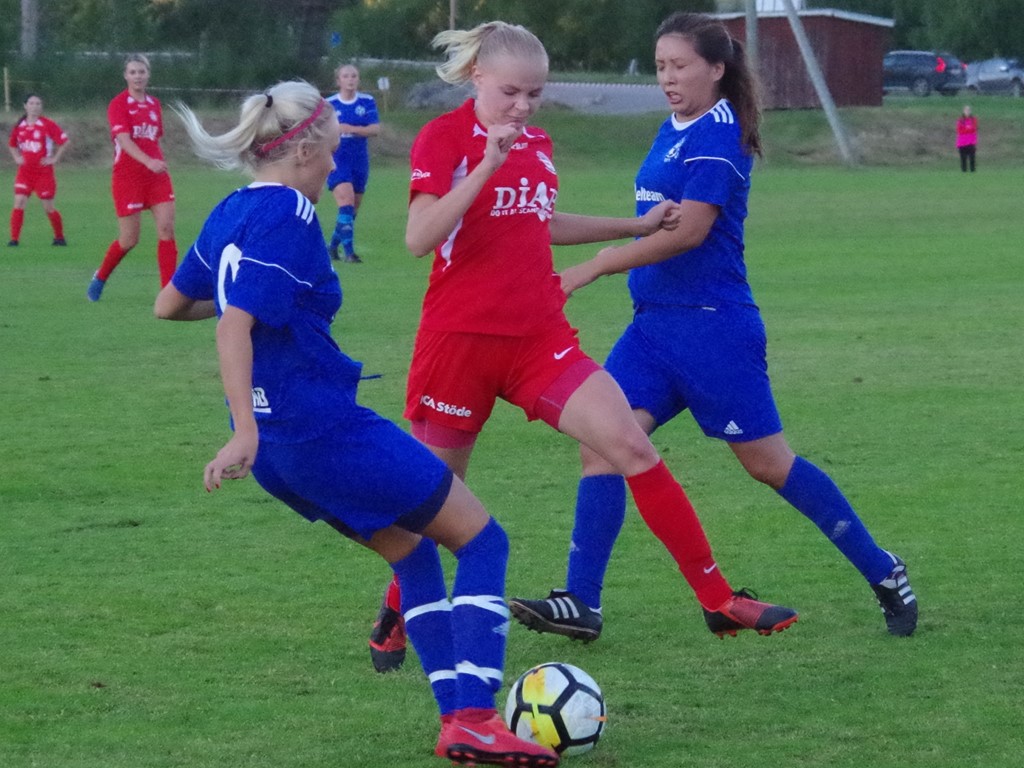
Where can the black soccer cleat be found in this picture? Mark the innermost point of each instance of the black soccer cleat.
(745, 611)
(562, 613)
(897, 600)
(12, 243)
(388, 640)
(333, 250)
(59, 241)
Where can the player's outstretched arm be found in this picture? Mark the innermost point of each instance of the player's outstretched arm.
(695, 222)
(575, 229)
(172, 304)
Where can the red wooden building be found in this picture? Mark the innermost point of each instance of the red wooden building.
(849, 48)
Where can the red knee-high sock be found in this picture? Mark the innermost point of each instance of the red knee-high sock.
(57, 223)
(393, 597)
(670, 516)
(17, 219)
(167, 260)
(114, 255)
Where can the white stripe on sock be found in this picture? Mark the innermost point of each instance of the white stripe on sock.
(493, 603)
(484, 673)
(419, 610)
(442, 674)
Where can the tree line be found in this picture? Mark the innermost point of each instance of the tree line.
(974, 30)
(247, 43)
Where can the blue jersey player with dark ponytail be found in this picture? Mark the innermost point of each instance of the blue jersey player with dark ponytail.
(697, 341)
(260, 265)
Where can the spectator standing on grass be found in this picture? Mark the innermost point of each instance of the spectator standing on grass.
(967, 139)
(697, 340)
(358, 121)
(140, 179)
(261, 266)
(37, 144)
(482, 200)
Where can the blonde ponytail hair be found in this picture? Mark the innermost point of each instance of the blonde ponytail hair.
(465, 48)
(270, 126)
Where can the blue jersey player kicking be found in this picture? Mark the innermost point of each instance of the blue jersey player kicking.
(357, 121)
(261, 267)
(697, 341)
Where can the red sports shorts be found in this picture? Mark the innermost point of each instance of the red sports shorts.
(138, 189)
(36, 178)
(455, 378)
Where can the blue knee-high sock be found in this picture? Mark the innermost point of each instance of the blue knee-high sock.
(428, 617)
(600, 512)
(813, 493)
(336, 234)
(344, 229)
(480, 617)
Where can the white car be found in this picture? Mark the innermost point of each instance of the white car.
(996, 76)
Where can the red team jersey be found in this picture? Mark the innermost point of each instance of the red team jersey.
(135, 187)
(142, 121)
(36, 141)
(494, 274)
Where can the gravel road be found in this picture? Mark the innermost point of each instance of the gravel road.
(588, 98)
(607, 99)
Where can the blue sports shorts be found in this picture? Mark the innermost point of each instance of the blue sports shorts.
(710, 360)
(363, 475)
(354, 170)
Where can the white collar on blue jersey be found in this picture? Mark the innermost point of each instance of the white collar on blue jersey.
(681, 126)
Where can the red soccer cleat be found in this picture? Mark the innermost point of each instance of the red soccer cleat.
(388, 640)
(745, 611)
(474, 736)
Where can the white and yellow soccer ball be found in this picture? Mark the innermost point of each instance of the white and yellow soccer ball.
(558, 706)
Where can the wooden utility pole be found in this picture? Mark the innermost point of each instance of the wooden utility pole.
(29, 28)
(752, 34)
(820, 86)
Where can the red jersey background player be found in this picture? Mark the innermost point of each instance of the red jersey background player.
(36, 145)
(140, 178)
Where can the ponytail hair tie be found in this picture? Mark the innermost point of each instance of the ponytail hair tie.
(270, 101)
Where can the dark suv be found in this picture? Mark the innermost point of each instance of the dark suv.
(922, 72)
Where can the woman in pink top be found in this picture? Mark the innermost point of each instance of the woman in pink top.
(967, 139)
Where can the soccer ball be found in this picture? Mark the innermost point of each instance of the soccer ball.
(558, 706)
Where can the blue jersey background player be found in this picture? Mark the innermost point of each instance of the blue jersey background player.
(358, 120)
(697, 341)
(261, 267)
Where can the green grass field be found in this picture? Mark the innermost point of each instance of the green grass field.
(146, 624)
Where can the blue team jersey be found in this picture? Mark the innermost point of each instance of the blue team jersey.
(361, 111)
(702, 160)
(262, 250)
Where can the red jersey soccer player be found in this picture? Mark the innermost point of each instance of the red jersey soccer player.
(482, 199)
(140, 177)
(36, 145)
